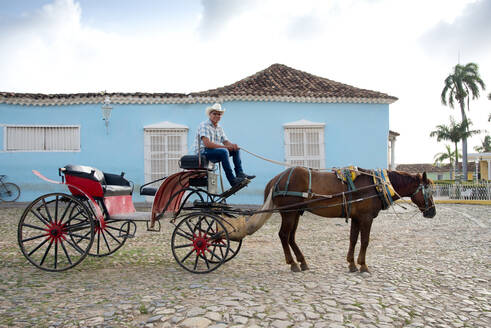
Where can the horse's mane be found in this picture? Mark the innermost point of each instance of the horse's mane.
(401, 180)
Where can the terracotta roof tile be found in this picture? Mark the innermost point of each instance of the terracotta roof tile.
(420, 168)
(283, 81)
(275, 83)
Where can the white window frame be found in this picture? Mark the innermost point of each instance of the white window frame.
(305, 128)
(38, 141)
(151, 173)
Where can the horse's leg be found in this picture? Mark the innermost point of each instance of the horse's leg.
(287, 224)
(365, 226)
(353, 238)
(294, 246)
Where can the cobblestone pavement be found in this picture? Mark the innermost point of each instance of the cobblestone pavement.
(424, 273)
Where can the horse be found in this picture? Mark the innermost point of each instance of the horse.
(328, 196)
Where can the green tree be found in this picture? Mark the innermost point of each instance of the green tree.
(485, 145)
(460, 85)
(447, 155)
(454, 133)
(489, 117)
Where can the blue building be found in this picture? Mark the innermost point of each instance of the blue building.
(281, 113)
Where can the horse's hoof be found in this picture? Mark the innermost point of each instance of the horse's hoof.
(353, 268)
(295, 268)
(304, 267)
(364, 268)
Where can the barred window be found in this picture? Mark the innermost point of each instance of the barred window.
(49, 138)
(163, 147)
(304, 144)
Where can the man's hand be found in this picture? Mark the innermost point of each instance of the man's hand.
(231, 146)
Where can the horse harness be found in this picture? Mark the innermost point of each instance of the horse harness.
(382, 184)
(426, 191)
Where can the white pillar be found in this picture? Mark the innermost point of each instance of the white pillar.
(489, 169)
(392, 154)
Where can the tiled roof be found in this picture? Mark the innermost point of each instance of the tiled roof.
(280, 82)
(275, 83)
(420, 168)
(39, 99)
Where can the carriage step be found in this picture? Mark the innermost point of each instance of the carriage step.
(234, 189)
(210, 205)
(134, 216)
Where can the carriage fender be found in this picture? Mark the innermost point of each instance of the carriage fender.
(95, 208)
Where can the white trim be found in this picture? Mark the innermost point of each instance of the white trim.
(44, 126)
(302, 147)
(165, 125)
(304, 124)
(163, 156)
(39, 126)
(122, 100)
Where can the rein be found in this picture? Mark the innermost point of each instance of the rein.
(382, 183)
(321, 198)
(426, 195)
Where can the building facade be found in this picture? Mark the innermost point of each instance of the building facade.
(280, 113)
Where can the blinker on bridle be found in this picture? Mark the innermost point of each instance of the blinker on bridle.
(426, 191)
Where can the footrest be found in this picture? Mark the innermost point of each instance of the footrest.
(234, 189)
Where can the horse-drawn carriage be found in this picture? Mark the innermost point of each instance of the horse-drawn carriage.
(58, 230)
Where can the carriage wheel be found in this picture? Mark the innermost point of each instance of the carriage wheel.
(109, 236)
(233, 250)
(200, 243)
(48, 229)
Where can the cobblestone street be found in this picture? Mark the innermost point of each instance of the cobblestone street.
(424, 273)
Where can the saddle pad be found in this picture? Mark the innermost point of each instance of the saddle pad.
(385, 178)
(340, 173)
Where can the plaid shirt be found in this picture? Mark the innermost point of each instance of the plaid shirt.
(207, 129)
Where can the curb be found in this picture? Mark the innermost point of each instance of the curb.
(453, 201)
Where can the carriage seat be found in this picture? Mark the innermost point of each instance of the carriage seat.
(112, 184)
(192, 162)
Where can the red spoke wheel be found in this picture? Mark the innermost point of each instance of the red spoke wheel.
(56, 232)
(233, 250)
(200, 243)
(108, 236)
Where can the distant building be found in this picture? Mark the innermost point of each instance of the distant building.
(280, 113)
(436, 172)
(484, 164)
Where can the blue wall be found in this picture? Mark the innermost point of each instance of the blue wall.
(355, 134)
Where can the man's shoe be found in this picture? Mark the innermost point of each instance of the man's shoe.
(246, 176)
(236, 181)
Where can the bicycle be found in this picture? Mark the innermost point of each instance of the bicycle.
(9, 192)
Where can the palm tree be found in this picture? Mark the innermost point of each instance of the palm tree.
(463, 82)
(454, 133)
(485, 146)
(447, 155)
(489, 117)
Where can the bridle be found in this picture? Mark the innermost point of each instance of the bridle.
(426, 191)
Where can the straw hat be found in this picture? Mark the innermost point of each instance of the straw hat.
(215, 108)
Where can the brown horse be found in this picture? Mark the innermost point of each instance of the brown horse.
(365, 204)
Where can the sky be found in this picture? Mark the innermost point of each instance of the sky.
(404, 48)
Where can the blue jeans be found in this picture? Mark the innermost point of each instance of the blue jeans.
(216, 155)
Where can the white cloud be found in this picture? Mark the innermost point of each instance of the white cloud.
(369, 44)
(469, 32)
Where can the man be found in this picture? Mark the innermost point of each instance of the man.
(215, 146)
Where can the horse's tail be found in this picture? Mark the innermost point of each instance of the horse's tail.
(255, 222)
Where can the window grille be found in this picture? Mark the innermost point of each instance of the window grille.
(305, 146)
(24, 138)
(163, 148)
